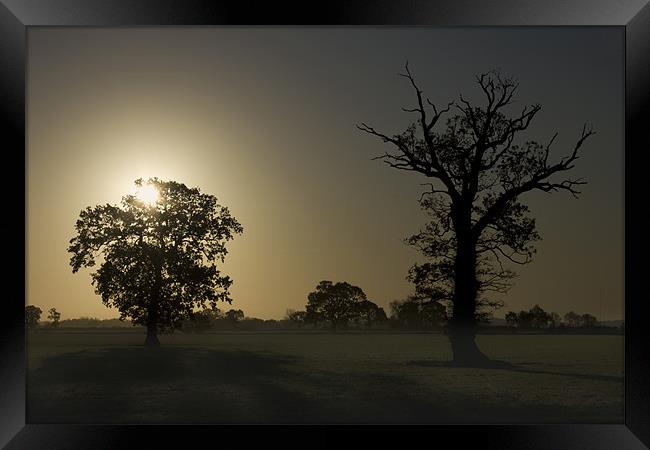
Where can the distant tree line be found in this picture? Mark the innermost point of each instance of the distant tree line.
(33, 320)
(332, 306)
(33, 316)
(92, 322)
(215, 319)
(341, 305)
(536, 317)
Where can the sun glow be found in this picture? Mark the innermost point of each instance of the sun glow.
(148, 194)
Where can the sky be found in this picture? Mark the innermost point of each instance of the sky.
(264, 118)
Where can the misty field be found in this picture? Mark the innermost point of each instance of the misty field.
(108, 377)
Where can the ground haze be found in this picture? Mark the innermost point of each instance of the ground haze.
(109, 377)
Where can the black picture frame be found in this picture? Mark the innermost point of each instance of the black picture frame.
(16, 16)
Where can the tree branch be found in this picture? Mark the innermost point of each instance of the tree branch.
(538, 181)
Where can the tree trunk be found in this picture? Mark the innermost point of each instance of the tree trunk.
(152, 336)
(463, 345)
(462, 329)
(152, 317)
(152, 327)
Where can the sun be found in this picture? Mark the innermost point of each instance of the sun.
(147, 194)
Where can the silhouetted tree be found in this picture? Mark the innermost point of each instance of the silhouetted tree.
(54, 316)
(535, 317)
(572, 319)
(405, 313)
(159, 257)
(588, 320)
(512, 319)
(234, 316)
(369, 313)
(418, 312)
(334, 303)
(538, 317)
(525, 319)
(296, 317)
(200, 321)
(554, 320)
(32, 316)
(479, 173)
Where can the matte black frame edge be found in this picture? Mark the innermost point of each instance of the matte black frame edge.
(12, 227)
(14, 21)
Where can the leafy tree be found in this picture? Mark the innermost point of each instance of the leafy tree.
(572, 319)
(405, 313)
(296, 317)
(54, 316)
(234, 316)
(158, 254)
(32, 316)
(588, 321)
(575, 320)
(538, 317)
(202, 320)
(334, 303)
(512, 319)
(525, 319)
(535, 317)
(479, 172)
(418, 312)
(369, 313)
(554, 320)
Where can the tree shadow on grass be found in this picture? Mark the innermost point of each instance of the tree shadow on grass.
(198, 385)
(503, 365)
(164, 385)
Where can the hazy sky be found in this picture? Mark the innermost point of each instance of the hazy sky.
(264, 118)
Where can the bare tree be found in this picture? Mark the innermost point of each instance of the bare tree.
(479, 173)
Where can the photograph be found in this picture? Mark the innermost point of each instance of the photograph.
(325, 225)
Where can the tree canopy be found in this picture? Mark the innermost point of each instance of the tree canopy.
(234, 315)
(295, 317)
(574, 319)
(158, 255)
(335, 303)
(368, 312)
(535, 317)
(54, 316)
(418, 312)
(32, 316)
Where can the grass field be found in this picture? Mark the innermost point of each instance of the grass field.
(108, 377)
